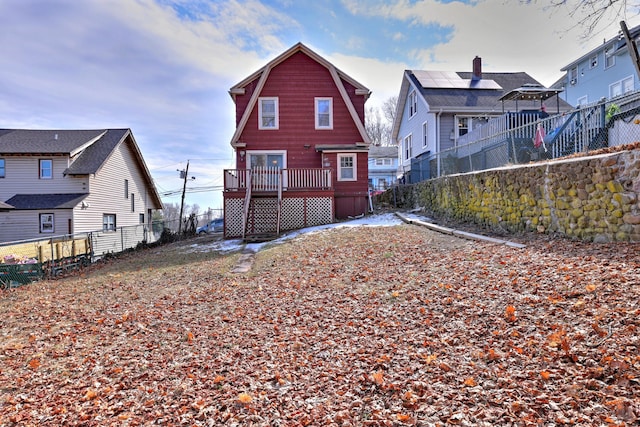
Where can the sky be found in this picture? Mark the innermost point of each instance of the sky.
(163, 68)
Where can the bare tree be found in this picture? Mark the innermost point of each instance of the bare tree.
(389, 109)
(374, 126)
(379, 125)
(589, 13)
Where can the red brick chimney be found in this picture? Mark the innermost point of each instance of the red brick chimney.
(477, 68)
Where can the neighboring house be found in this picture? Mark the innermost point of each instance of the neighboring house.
(436, 109)
(605, 72)
(301, 147)
(60, 182)
(383, 167)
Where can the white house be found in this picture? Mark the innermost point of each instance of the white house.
(58, 182)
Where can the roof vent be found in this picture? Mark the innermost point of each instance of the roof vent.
(55, 136)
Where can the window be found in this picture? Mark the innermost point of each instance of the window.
(133, 203)
(620, 87)
(413, 103)
(573, 76)
(109, 222)
(425, 140)
(2, 170)
(383, 162)
(126, 188)
(593, 61)
(582, 101)
(324, 113)
(46, 223)
(141, 218)
(609, 58)
(407, 147)
(268, 113)
(463, 125)
(347, 167)
(46, 169)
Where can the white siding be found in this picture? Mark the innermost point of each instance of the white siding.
(23, 177)
(23, 225)
(107, 193)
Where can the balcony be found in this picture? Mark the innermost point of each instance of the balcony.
(276, 179)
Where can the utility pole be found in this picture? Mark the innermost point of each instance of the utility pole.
(633, 49)
(184, 172)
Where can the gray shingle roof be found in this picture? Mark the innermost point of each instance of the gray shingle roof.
(481, 99)
(46, 201)
(22, 141)
(376, 151)
(95, 155)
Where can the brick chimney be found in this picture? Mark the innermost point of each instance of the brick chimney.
(477, 68)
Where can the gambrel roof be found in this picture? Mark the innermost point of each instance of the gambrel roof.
(263, 74)
(88, 149)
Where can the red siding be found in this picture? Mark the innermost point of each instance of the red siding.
(296, 82)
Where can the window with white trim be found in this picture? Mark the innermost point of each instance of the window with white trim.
(407, 146)
(347, 167)
(141, 218)
(268, 113)
(133, 202)
(383, 162)
(425, 139)
(413, 103)
(593, 61)
(46, 168)
(609, 58)
(46, 223)
(126, 188)
(621, 87)
(324, 113)
(582, 101)
(109, 222)
(573, 76)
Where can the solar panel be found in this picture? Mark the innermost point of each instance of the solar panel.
(451, 80)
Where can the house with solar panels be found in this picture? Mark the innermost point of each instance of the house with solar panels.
(61, 182)
(438, 111)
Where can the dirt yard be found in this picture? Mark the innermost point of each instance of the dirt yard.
(375, 326)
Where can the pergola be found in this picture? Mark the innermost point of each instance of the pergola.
(531, 92)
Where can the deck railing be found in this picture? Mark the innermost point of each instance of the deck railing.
(268, 179)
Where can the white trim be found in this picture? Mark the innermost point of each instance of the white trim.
(276, 121)
(354, 157)
(266, 153)
(47, 219)
(407, 147)
(425, 134)
(317, 100)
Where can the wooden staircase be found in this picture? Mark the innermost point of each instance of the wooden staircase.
(262, 205)
(263, 218)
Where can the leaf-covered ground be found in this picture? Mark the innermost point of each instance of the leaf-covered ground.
(382, 326)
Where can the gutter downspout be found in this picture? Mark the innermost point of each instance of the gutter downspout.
(438, 139)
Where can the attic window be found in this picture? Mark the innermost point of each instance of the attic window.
(593, 62)
(324, 113)
(413, 104)
(268, 113)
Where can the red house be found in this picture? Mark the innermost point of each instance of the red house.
(301, 147)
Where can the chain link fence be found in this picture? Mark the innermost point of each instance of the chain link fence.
(24, 261)
(519, 138)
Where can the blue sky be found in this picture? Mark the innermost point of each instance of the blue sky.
(163, 68)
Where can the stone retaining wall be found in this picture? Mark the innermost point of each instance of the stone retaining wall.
(592, 198)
